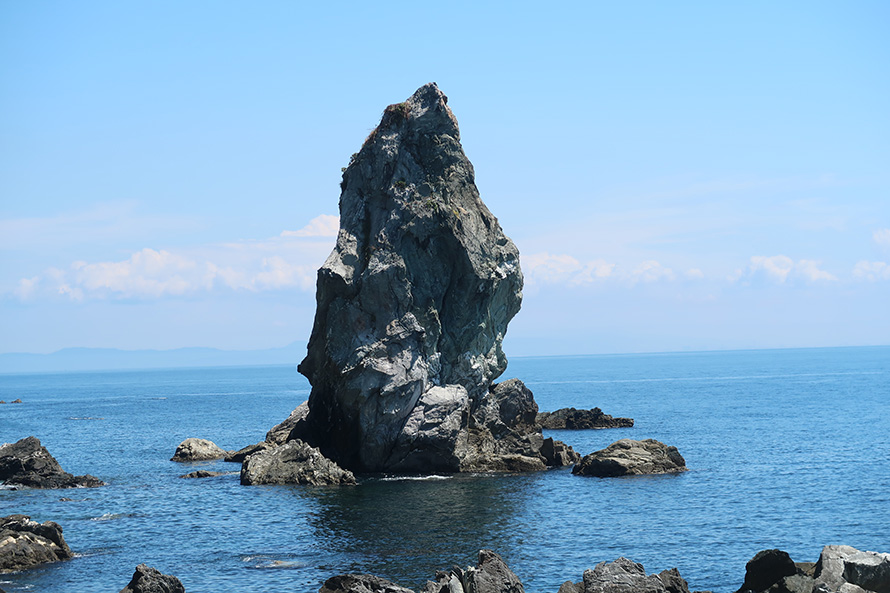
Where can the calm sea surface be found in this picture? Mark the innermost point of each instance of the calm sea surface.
(787, 449)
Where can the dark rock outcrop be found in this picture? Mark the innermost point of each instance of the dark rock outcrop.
(25, 543)
(293, 463)
(28, 464)
(150, 580)
(558, 454)
(412, 307)
(628, 457)
(241, 454)
(360, 583)
(766, 568)
(570, 418)
(198, 450)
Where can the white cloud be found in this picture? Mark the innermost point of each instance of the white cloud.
(325, 225)
(872, 271)
(545, 268)
(694, 274)
(651, 271)
(882, 237)
(286, 262)
(781, 269)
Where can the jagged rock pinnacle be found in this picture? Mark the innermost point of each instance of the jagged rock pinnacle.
(413, 302)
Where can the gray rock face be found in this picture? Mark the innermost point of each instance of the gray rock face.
(198, 450)
(626, 576)
(848, 570)
(573, 419)
(558, 454)
(28, 464)
(280, 433)
(25, 543)
(150, 580)
(293, 463)
(241, 454)
(628, 457)
(414, 301)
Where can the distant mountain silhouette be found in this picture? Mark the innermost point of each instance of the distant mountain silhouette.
(97, 359)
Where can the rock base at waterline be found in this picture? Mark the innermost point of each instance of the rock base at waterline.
(572, 419)
(193, 449)
(293, 463)
(150, 580)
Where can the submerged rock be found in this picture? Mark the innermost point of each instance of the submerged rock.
(202, 473)
(412, 307)
(198, 450)
(628, 457)
(570, 418)
(25, 543)
(293, 463)
(27, 463)
(150, 580)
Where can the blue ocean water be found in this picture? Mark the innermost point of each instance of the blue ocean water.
(787, 449)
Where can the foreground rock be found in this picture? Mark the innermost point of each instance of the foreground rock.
(412, 307)
(626, 576)
(198, 450)
(293, 463)
(572, 419)
(28, 464)
(840, 569)
(628, 457)
(150, 580)
(25, 543)
(490, 575)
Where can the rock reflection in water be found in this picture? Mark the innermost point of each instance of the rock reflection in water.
(405, 529)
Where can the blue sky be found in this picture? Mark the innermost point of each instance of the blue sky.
(677, 176)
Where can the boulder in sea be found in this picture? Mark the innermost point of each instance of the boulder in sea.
(412, 307)
(150, 580)
(25, 543)
(628, 457)
(28, 464)
(626, 576)
(293, 463)
(198, 450)
(570, 418)
(241, 454)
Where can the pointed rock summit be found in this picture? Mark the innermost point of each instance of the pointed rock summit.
(412, 306)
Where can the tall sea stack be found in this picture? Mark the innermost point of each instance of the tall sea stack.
(412, 306)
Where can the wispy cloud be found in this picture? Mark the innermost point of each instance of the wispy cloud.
(882, 238)
(546, 268)
(872, 271)
(288, 261)
(781, 269)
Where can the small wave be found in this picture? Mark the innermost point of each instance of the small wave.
(262, 562)
(430, 478)
(112, 516)
(158, 398)
(85, 418)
